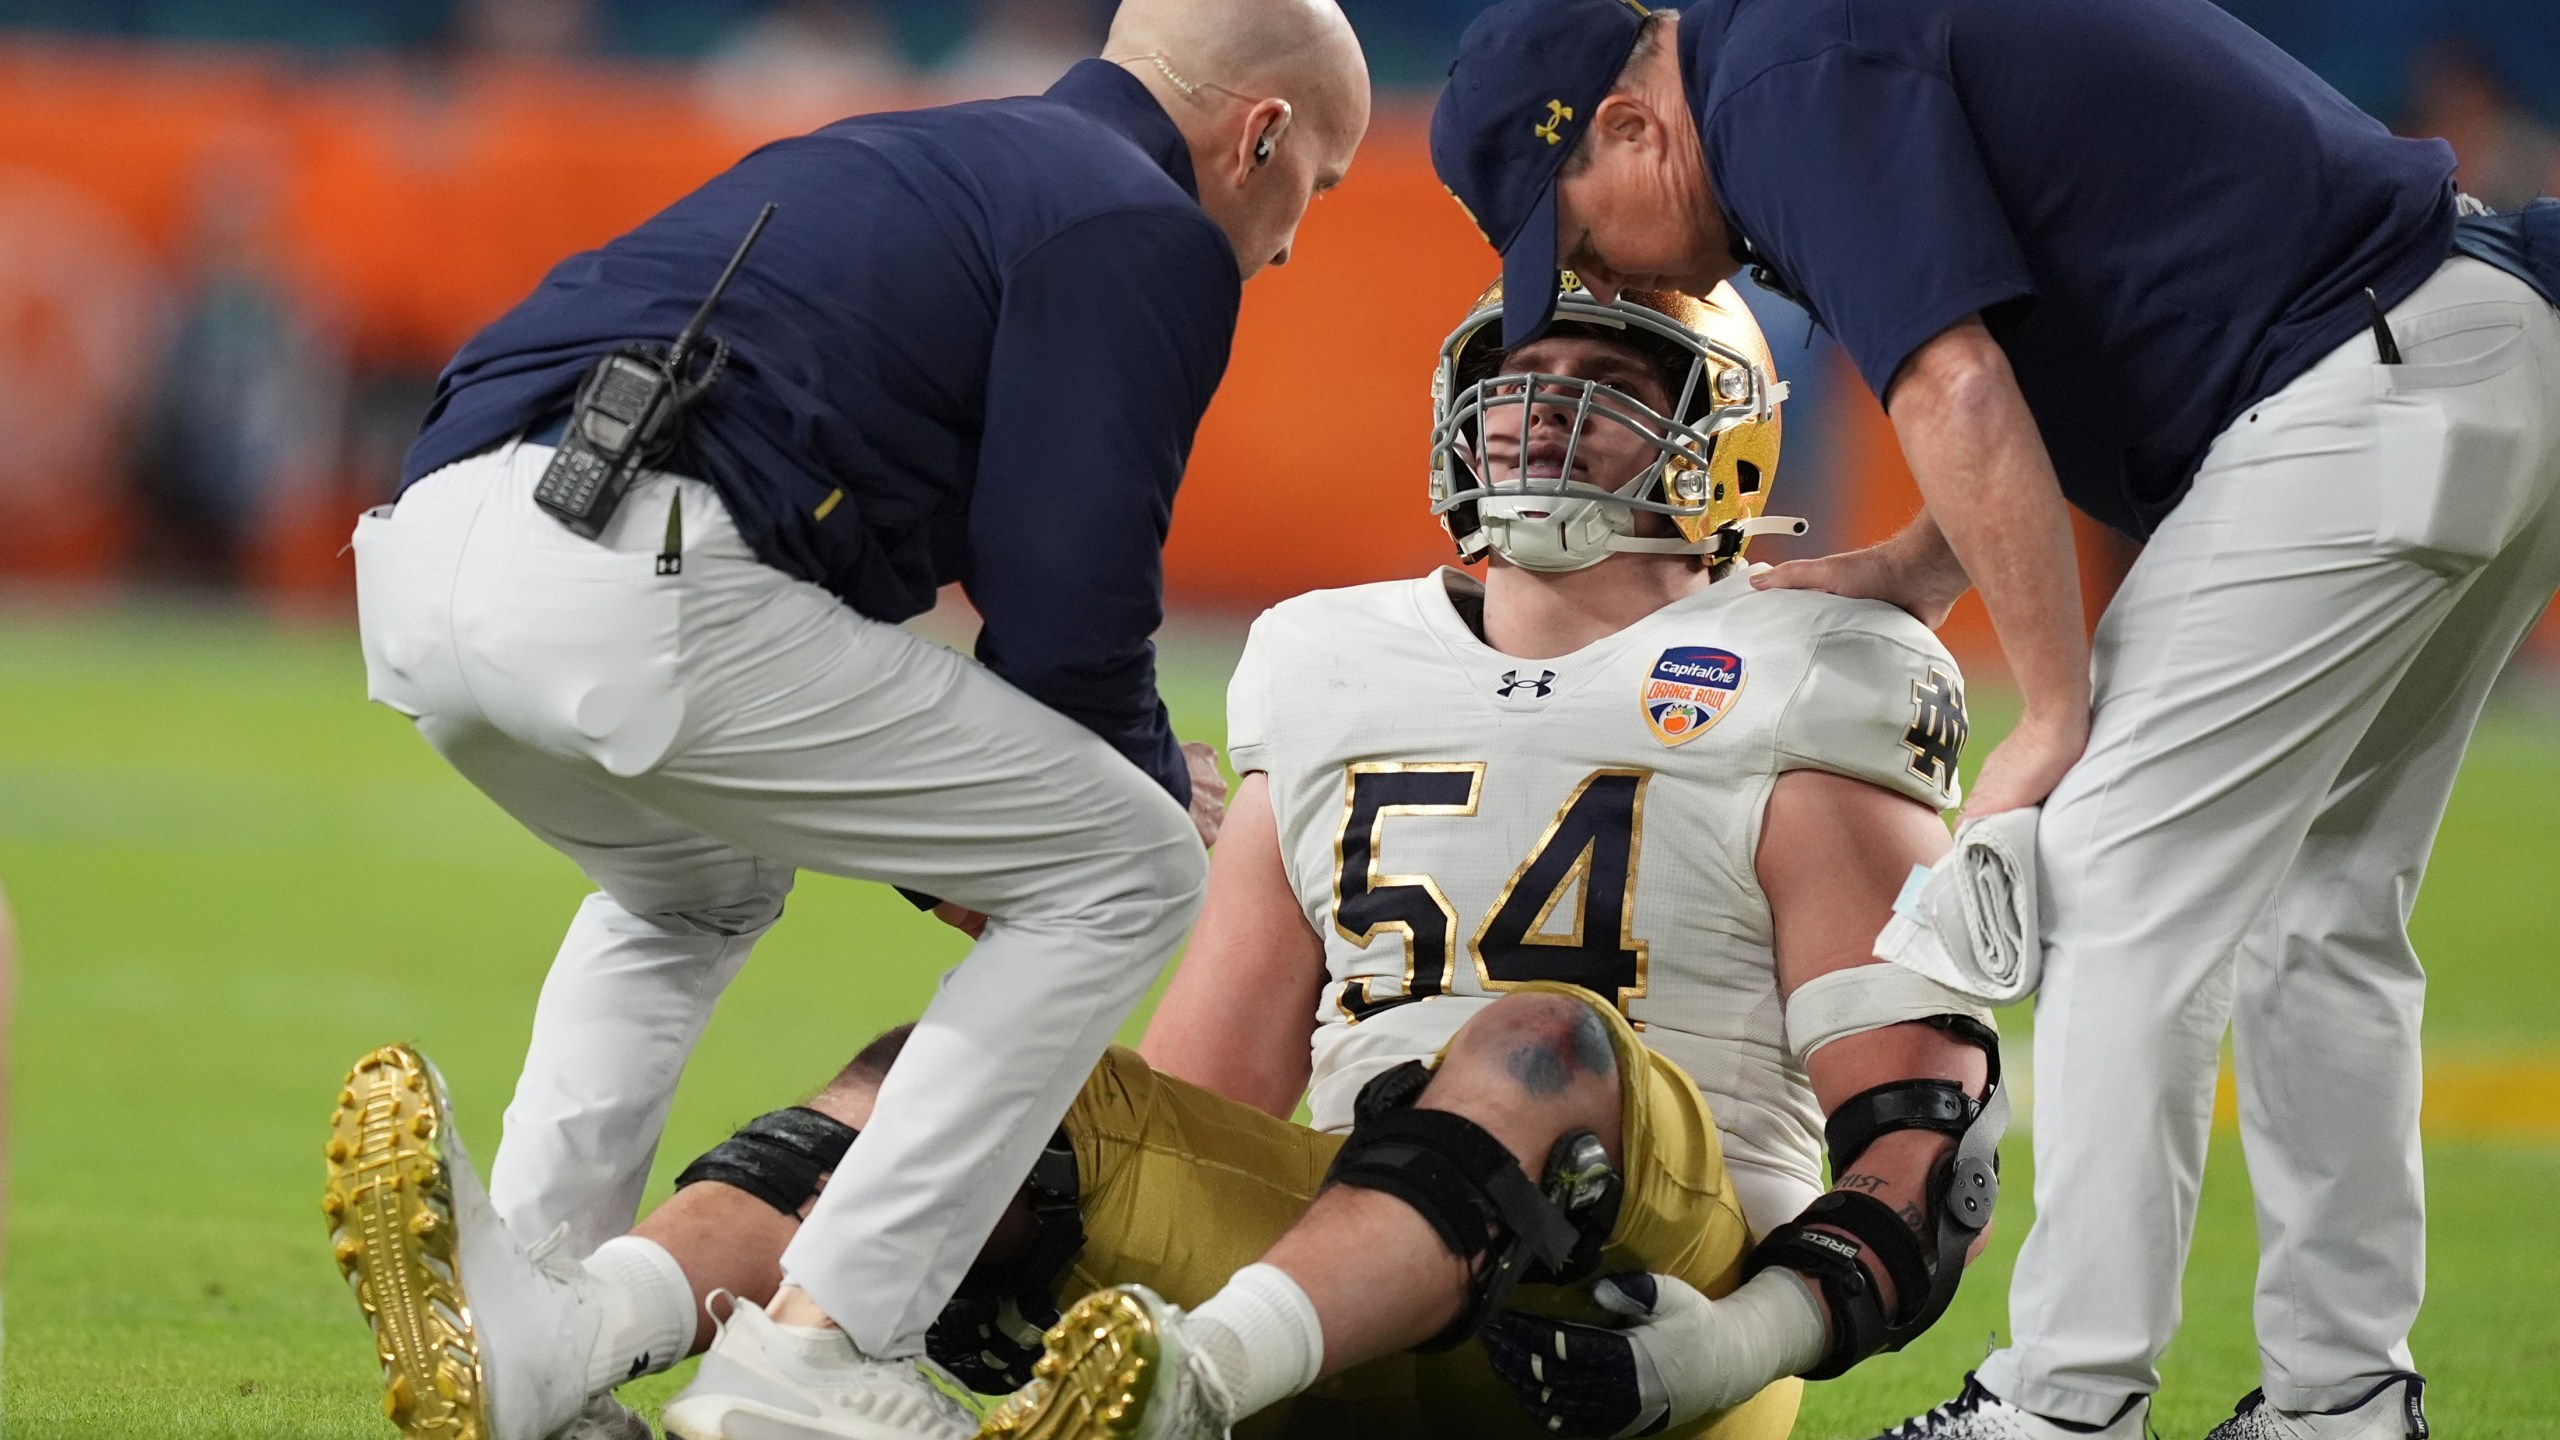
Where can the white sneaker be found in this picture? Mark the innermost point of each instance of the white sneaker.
(606, 1418)
(1977, 1414)
(1115, 1367)
(479, 1337)
(2380, 1415)
(756, 1384)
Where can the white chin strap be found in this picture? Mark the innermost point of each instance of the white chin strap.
(1579, 535)
(1763, 525)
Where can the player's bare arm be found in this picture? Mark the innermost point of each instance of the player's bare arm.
(1242, 1003)
(1833, 854)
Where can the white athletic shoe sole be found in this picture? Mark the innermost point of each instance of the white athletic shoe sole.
(745, 1390)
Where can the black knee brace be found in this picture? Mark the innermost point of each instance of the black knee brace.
(776, 1157)
(1924, 1271)
(1475, 1196)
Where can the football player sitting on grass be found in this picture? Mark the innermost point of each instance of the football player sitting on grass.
(1551, 894)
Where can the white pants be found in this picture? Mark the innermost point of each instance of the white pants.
(2284, 687)
(692, 741)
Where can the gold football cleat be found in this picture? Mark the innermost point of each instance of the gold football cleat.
(390, 1210)
(1099, 1366)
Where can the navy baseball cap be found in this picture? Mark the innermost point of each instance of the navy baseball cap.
(1527, 77)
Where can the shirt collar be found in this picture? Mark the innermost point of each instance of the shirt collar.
(1113, 96)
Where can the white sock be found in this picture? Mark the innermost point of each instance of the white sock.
(648, 1312)
(1259, 1338)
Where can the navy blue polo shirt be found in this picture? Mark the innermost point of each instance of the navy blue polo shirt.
(2161, 217)
(972, 346)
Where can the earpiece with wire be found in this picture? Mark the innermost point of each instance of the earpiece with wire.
(1271, 135)
(1262, 146)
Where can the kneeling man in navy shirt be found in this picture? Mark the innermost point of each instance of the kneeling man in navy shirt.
(971, 347)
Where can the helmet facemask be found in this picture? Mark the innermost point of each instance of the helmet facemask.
(1559, 521)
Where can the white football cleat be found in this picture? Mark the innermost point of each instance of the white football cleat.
(1115, 1367)
(758, 1384)
(1977, 1414)
(479, 1337)
(2389, 1411)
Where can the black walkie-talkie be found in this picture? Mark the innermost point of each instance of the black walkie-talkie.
(628, 411)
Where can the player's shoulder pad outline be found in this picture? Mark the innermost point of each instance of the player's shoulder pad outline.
(1882, 701)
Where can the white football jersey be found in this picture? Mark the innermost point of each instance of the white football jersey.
(1457, 821)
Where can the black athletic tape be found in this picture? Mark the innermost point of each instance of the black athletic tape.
(778, 1157)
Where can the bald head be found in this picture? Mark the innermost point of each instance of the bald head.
(1302, 51)
(1272, 96)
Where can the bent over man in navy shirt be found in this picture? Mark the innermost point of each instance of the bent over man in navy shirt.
(2128, 255)
(972, 346)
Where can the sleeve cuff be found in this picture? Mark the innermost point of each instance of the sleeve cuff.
(1880, 361)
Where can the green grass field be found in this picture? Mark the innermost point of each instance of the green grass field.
(233, 877)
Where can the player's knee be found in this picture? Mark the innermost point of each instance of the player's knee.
(1545, 1043)
(1536, 1051)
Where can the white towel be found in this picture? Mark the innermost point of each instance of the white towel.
(1969, 922)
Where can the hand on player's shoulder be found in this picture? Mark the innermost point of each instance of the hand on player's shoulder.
(1878, 572)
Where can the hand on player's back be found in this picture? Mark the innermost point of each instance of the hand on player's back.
(1208, 789)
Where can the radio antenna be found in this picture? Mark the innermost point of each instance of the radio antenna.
(693, 327)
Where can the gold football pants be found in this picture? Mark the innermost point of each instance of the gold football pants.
(1182, 1188)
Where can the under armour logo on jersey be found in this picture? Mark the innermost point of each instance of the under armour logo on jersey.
(1938, 728)
(1537, 686)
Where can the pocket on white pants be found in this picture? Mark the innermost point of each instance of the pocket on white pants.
(399, 612)
(573, 651)
(2457, 441)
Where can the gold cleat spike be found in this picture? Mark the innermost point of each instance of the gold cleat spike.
(1097, 1367)
(390, 1215)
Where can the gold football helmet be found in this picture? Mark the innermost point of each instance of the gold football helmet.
(1716, 452)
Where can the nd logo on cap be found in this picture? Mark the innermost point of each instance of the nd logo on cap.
(1549, 63)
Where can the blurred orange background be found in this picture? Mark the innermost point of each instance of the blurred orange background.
(404, 214)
